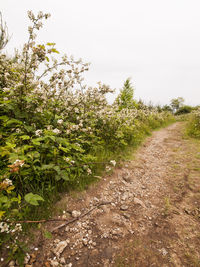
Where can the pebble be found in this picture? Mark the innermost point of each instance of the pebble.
(60, 247)
(76, 213)
(127, 216)
(27, 258)
(54, 263)
(123, 207)
(66, 228)
(163, 251)
(62, 260)
(138, 201)
(11, 264)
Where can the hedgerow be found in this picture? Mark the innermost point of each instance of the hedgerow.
(193, 125)
(53, 126)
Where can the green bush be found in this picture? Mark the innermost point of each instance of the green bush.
(193, 126)
(184, 110)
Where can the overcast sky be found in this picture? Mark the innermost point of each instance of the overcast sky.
(156, 42)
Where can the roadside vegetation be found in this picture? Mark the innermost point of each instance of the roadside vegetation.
(193, 126)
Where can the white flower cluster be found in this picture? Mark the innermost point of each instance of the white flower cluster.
(113, 162)
(19, 162)
(7, 182)
(56, 131)
(38, 132)
(6, 228)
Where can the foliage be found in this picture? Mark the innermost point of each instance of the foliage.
(53, 127)
(4, 38)
(125, 98)
(183, 110)
(193, 126)
(167, 108)
(176, 103)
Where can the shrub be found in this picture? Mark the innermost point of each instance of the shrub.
(184, 110)
(193, 126)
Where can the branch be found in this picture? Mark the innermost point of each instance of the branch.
(49, 69)
(81, 216)
(60, 220)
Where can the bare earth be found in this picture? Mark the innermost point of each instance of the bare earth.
(151, 216)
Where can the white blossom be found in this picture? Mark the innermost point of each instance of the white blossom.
(113, 162)
(60, 121)
(56, 131)
(38, 132)
(89, 171)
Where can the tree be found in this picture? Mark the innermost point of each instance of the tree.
(176, 103)
(125, 97)
(4, 38)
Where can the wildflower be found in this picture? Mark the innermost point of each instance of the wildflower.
(67, 159)
(49, 127)
(18, 227)
(89, 171)
(60, 121)
(76, 110)
(77, 144)
(113, 162)
(68, 132)
(4, 227)
(8, 182)
(56, 131)
(108, 168)
(19, 162)
(72, 161)
(38, 132)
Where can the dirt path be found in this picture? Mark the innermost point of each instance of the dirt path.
(153, 218)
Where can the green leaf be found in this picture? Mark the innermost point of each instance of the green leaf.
(12, 121)
(54, 50)
(47, 166)
(26, 147)
(9, 145)
(51, 44)
(35, 142)
(1, 213)
(10, 188)
(28, 128)
(64, 149)
(57, 169)
(33, 199)
(25, 137)
(3, 199)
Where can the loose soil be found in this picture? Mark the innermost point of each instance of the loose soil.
(151, 216)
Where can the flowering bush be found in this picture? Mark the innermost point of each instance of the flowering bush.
(193, 127)
(53, 125)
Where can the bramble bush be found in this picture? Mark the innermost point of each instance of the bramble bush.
(193, 126)
(53, 126)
